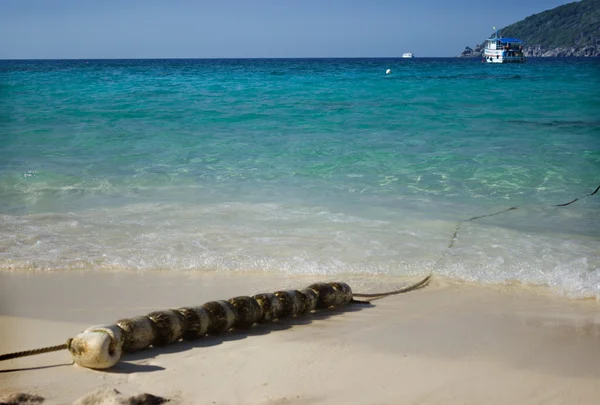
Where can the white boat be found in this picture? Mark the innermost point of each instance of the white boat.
(503, 50)
(408, 55)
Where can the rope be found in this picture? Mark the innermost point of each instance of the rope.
(491, 215)
(459, 223)
(457, 228)
(425, 281)
(42, 350)
(571, 202)
(411, 287)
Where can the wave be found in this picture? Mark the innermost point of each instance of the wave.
(231, 238)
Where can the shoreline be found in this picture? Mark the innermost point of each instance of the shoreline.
(449, 342)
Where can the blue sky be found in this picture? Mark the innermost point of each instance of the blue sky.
(251, 28)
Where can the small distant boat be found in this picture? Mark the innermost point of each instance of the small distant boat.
(408, 55)
(503, 50)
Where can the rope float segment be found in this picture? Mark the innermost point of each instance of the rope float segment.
(101, 346)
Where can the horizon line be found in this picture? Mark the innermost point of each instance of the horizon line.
(242, 58)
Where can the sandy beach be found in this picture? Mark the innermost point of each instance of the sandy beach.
(448, 343)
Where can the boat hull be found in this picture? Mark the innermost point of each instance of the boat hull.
(514, 59)
(504, 50)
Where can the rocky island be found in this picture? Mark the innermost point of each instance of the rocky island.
(570, 30)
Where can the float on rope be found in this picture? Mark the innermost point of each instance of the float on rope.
(101, 346)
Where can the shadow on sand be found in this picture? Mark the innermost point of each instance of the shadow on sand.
(125, 366)
(259, 329)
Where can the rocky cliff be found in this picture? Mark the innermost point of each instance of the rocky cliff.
(569, 30)
(541, 51)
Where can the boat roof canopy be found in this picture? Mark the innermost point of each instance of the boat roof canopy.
(505, 40)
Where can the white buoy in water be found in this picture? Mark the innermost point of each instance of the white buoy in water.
(387, 72)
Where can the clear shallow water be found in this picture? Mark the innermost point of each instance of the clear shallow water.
(304, 167)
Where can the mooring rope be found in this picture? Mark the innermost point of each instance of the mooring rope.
(33, 352)
(459, 223)
(491, 215)
(411, 287)
(577, 199)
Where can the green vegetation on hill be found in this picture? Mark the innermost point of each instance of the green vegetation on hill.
(569, 30)
(571, 25)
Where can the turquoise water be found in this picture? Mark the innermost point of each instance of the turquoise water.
(318, 166)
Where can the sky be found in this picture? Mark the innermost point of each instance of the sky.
(86, 29)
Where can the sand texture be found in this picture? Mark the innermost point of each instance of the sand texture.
(448, 343)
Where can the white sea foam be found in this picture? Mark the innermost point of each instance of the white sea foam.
(274, 238)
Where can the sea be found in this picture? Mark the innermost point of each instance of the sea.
(475, 172)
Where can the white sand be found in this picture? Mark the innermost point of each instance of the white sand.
(448, 343)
